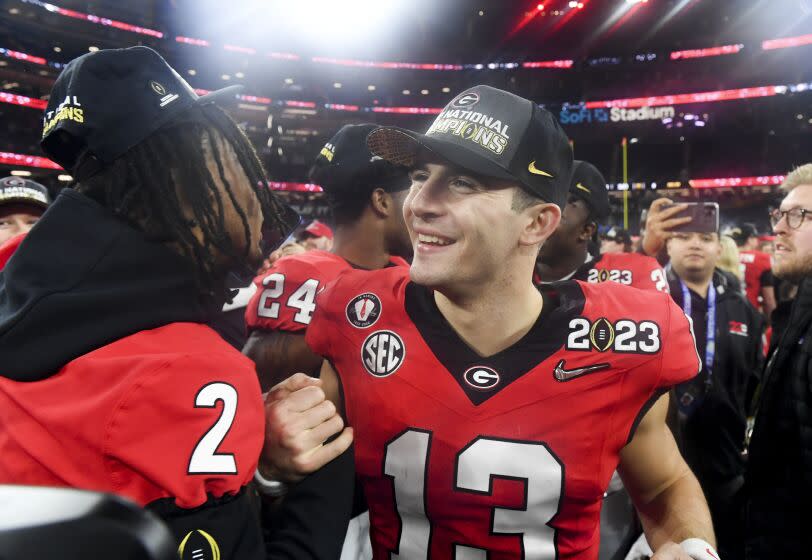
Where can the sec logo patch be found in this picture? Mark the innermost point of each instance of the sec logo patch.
(364, 310)
(383, 353)
(481, 378)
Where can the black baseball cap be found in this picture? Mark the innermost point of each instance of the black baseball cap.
(105, 102)
(494, 133)
(16, 190)
(588, 184)
(345, 164)
(743, 232)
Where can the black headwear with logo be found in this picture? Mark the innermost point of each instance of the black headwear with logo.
(105, 102)
(494, 133)
(345, 166)
(16, 190)
(588, 184)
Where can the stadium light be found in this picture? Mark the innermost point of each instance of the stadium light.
(327, 23)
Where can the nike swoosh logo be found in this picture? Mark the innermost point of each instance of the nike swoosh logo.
(583, 188)
(562, 374)
(535, 170)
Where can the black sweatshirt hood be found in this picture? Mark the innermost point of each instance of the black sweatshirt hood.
(83, 278)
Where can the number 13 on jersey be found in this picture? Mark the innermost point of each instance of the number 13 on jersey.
(476, 466)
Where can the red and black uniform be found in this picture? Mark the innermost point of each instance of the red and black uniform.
(285, 298)
(111, 382)
(286, 293)
(500, 457)
(630, 269)
(758, 272)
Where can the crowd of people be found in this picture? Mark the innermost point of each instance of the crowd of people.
(453, 363)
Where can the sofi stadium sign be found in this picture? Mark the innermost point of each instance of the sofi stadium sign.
(580, 114)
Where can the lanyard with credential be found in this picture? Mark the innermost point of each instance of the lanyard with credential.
(710, 331)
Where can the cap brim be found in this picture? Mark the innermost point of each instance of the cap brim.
(221, 97)
(24, 200)
(402, 147)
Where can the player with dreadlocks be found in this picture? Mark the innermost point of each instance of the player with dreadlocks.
(105, 303)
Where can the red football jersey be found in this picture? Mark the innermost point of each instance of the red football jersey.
(8, 248)
(758, 268)
(173, 412)
(631, 269)
(501, 457)
(286, 294)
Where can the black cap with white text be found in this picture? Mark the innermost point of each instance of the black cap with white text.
(494, 133)
(105, 102)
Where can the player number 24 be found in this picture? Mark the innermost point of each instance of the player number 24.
(482, 460)
(303, 299)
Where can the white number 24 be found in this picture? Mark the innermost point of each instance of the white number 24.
(303, 299)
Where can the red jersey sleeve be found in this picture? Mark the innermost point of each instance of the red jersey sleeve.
(679, 358)
(190, 427)
(8, 248)
(285, 298)
(650, 275)
(323, 327)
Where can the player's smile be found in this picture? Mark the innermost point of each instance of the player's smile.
(430, 243)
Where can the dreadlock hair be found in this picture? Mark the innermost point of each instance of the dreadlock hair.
(141, 187)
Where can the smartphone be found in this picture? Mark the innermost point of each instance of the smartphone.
(704, 217)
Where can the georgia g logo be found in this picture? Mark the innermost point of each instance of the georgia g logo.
(466, 100)
(383, 353)
(481, 378)
(363, 310)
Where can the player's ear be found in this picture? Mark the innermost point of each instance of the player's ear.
(541, 221)
(381, 202)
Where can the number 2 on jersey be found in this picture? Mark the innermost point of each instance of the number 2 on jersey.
(205, 459)
(303, 299)
(482, 460)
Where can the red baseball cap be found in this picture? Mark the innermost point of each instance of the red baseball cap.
(319, 229)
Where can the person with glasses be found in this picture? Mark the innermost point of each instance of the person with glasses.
(778, 481)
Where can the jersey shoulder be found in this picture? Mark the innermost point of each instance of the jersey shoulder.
(313, 264)
(386, 283)
(398, 261)
(636, 260)
(183, 387)
(286, 293)
(623, 301)
(354, 301)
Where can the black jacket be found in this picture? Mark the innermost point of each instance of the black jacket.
(712, 436)
(778, 483)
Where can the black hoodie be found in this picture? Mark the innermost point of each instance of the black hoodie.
(81, 279)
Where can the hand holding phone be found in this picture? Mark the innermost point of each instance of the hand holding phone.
(704, 217)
